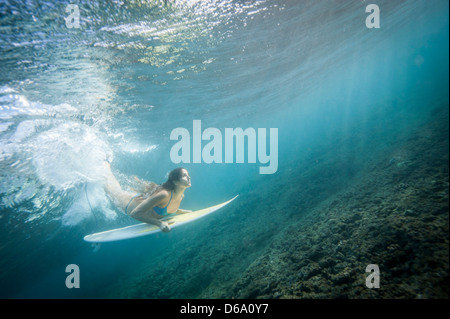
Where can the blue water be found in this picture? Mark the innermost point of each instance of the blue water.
(133, 71)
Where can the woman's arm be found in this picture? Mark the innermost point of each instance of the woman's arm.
(141, 212)
(183, 211)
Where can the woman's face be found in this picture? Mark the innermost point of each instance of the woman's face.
(185, 179)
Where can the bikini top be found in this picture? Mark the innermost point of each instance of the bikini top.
(163, 211)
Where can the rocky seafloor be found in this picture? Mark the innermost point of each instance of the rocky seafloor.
(392, 213)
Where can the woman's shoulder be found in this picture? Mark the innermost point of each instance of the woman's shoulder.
(162, 193)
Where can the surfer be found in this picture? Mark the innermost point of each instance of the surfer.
(155, 202)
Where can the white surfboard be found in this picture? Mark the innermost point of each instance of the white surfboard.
(145, 229)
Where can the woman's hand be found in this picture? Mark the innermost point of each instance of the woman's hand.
(183, 211)
(164, 227)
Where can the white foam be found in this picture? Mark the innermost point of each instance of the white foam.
(69, 154)
(5, 126)
(12, 105)
(137, 148)
(6, 89)
(78, 212)
(91, 200)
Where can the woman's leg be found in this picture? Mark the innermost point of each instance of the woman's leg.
(112, 187)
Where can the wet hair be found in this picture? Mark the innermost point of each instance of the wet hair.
(174, 175)
(150, 188)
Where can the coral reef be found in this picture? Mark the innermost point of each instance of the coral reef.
(395, 216)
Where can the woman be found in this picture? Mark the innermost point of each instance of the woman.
(150, 207)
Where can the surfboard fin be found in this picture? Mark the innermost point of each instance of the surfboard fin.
(96, 247)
